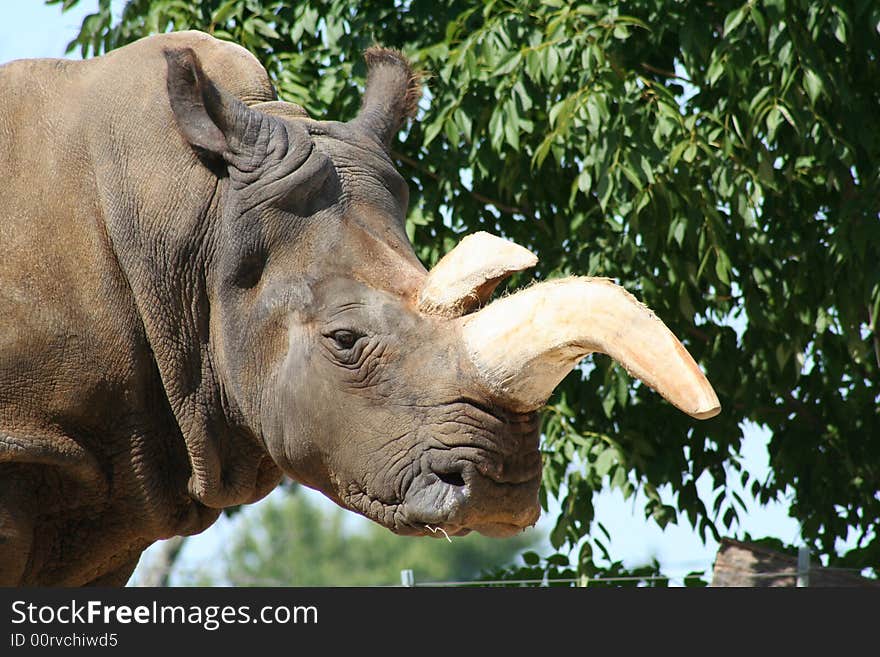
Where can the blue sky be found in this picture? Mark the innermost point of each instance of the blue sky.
(31, 29)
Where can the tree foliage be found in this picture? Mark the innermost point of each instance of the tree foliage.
(721, 160)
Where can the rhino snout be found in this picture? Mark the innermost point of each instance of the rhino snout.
(491, 488)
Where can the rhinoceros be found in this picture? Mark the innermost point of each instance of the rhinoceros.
(203, 289)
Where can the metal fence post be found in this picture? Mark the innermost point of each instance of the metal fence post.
(803, 567)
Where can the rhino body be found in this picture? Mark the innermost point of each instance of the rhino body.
(203, 290)
(109, 396)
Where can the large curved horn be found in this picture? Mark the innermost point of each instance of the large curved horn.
(523, 345)
(465, 277)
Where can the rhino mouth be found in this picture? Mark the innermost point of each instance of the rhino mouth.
(457, 502)
(454, 501)
(480, 471)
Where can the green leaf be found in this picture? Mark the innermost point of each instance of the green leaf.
(758, 19)
(584, 181)
(644, 199)
(508, 64)
(542, 151)
(225, 11)
(787, 115)
(511, 125)
(464, 123)
(774, 118)
(632, 176)
(733, 19)
(604, 190)
(840, 25)
(433, 130)
(551, 63)
(677, 230)
(663, 515)
(722, 266)
(525, 99)
(531, 558)
(265, 29)
(608, 403)
(496, 129)
(561, 109)
(716, 68)
(604, 462)
(647, 169)
(453, 136)
(677, 151)
(759, 98)
(813, 85)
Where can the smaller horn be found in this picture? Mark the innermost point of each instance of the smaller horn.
(391, 95)
(466, 277)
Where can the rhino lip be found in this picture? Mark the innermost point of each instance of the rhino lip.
(486, 482)
(460, 498)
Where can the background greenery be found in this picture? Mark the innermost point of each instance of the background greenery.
(719, 159)
(291, 540)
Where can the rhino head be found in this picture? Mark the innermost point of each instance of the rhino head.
(402, 394)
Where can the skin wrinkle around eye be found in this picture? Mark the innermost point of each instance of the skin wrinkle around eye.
(345, 307)
(351, 359)
(372, 365)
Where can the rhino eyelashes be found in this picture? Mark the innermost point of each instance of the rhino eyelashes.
(345, 339)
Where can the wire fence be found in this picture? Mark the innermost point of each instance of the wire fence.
(408, 579)
(679, 574)
(575, 581)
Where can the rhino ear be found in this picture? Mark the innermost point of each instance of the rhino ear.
(392, 93)
(209, 118)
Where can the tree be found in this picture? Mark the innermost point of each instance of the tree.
(289, 540)
(720, 160)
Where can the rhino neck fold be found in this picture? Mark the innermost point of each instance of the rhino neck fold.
(228, 464)
(160, 228)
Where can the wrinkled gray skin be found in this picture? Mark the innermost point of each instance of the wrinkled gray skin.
(199, 293)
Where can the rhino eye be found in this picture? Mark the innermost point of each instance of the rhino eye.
(344, 338)
(250, 270)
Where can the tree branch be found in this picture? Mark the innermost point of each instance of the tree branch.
(872, 326)
(877, 347)
(789, 408)
(666, 74)
(697, 333)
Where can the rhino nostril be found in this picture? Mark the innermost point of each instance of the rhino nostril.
(451, 478)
